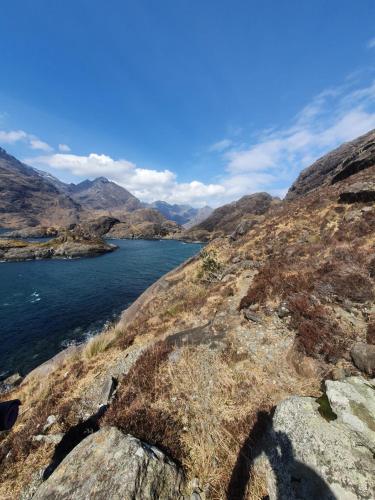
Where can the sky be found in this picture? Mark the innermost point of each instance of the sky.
(189, 101)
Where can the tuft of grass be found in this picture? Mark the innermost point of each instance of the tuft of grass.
(100, 343)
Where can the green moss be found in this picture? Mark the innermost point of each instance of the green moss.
(325, 409)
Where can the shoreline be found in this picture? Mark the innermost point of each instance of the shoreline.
(125, 315)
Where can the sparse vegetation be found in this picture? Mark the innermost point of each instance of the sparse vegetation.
(370, 334)
(211, 268)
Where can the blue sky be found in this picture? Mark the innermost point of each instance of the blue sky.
(184, 100)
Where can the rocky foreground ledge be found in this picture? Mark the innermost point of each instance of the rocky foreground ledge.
(309, 449)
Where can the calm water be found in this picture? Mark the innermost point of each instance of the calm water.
(46, 305)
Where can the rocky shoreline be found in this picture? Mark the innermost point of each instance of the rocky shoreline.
(18, 251)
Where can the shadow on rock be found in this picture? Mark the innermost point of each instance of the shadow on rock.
(73, 437)
(292, 479)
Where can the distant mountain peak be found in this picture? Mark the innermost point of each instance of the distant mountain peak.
(101, 179)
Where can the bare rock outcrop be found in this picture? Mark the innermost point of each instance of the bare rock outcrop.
(110, 464)
(324, 449)
(359, 192)
(339, 164)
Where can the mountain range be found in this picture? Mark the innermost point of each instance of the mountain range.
(30, 197)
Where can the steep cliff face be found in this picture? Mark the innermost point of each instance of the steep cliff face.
(28, 199)
(341, 163)
(197, 364)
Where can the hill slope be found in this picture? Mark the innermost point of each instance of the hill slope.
(102, 194)
(224, 220)
(343, 162)
(28, 199)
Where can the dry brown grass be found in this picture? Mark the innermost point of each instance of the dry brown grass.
(206, 393)
(100, 343)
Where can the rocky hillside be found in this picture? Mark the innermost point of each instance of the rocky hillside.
(223, 221)
(27, 199)
(144, 223)
(182, 214)
(103, 195)
(201, 215)
(244, 373)
(341, 163)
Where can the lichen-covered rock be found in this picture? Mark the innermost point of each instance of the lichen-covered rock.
(310, 457)
(112, 465)
(353, 401)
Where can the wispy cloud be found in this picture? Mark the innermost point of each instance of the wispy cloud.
(13, 136)
(40, 145)
(333, 117)
(64, 148)
(371, 43)
(220, 146)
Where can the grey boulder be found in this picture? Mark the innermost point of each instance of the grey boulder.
(112, 465)
(311, 457)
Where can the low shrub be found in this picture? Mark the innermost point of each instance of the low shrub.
(335, 280)
(371, 268)
(132, 409)
(276, 280)
(211, 268)
(317, 333)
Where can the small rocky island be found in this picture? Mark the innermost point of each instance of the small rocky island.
(77, 240)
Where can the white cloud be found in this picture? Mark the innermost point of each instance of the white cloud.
(220, 146)
(146, 184)
(33, 142)
(12, 136)
(64, 148)
(334, 117)
(40, 145)
(371, 43)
